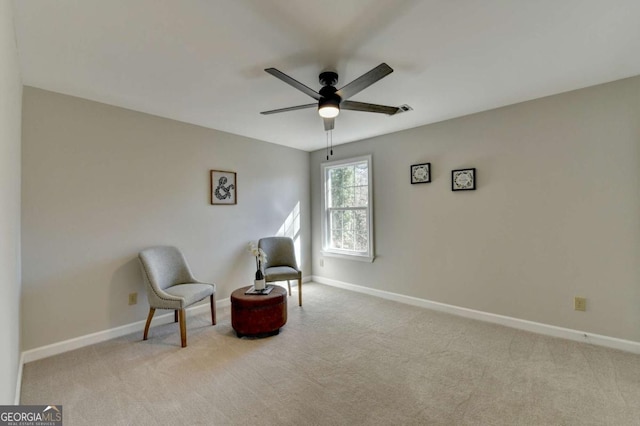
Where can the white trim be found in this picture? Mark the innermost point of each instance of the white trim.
(101, 336)
(535, 327)
(16, 400)
(345, 254)
(361, 258)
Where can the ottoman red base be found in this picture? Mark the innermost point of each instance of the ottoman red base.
(258, 315)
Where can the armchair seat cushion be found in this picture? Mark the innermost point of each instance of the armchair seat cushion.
(281, 273)
(190, 293)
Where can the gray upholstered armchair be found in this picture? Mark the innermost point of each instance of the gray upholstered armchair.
(171, 285)
(281, 262)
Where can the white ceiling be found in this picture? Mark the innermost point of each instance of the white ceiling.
(202, 61)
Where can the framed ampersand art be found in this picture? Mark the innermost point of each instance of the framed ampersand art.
(224, 188)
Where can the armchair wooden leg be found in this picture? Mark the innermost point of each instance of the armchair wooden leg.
(183, 329)
(289, 284)
(175, 316)
(300, 291)
(213, 310)
(146, 327)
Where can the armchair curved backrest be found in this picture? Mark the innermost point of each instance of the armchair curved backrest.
(165, 266)
(280, 252)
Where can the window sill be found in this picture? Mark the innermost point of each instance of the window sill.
(359, 258)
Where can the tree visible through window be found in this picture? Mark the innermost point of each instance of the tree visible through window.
(347, 207)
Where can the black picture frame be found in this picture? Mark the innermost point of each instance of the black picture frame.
(224, 188)
(420, 173)
(464, 179)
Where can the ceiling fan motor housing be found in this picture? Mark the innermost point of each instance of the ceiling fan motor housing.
(328, 78)
(329, 97)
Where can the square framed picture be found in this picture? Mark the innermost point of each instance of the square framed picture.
(463, 179)
(421, 173)
(224, 188)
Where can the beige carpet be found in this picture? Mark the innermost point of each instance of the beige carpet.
(342, 359)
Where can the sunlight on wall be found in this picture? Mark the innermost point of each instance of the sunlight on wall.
(291, 228)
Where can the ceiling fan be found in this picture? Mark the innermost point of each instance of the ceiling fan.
(332, 100)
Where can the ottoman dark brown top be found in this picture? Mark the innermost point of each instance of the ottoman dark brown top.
(258, 315)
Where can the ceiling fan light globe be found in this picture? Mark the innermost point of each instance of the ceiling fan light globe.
(328, 111)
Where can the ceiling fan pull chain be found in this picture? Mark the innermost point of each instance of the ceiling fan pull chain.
(331, 131)
(327, 145)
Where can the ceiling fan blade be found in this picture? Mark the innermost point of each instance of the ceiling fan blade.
(361, 106)
(364, 81)
(294, 83)
(293, 108)
(329, 123)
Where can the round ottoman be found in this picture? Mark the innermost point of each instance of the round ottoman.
(256, 314)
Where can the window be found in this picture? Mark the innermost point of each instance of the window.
(347, 211)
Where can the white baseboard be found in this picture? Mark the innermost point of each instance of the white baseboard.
(16, 400)
(101, 336)
(535, 327)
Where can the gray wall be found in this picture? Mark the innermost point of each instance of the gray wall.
(101, 182)
(556, 212)
(10, 112)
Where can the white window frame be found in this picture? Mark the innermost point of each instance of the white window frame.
(367, 256)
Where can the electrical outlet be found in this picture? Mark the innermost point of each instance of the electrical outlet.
(321, 261)
(133, 298)
(580, 304)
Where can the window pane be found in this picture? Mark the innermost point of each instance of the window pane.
(336, 219)
(341, 182)
(342, 196)
(362, 243)
(348, 186)
(336, 239)
(361, 230)
(348, 243)
(361, 174)
(348, 234)
(361, 196)
(349, 230)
